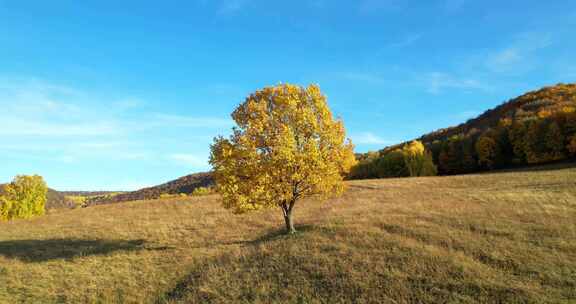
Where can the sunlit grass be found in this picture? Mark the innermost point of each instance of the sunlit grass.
(508, 237)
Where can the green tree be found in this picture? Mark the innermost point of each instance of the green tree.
(23, 198)
(286, 146)
(391, 164)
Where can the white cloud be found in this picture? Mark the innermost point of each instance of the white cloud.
(438, 81)
(25, 127)
(367, 138)
(189, 160)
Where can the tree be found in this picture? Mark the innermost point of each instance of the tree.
(554, 140)
(391, 164)
(286, 146)
(517, 134)
(469, 162)
(488, 151)
(535, 142)
(572, 145)
(450, 160)
(23, 198)
(366, 167)
(418, 161)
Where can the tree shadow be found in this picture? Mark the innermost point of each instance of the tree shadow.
(274, 235)
(53, 249)
(190, 283)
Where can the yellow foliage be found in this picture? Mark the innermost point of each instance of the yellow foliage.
(24, 197)
(78, 200)
(414, 148)
(568, 109)
(286, 146)
(202, 191)
(418, 161)
(544, 114)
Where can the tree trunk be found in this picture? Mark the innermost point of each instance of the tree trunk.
(289, 222)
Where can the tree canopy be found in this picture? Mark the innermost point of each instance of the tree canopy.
(23, 198)
(286, 146)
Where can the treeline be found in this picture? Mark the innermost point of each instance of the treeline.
(550, 137)
(538, 127)
(412, 159)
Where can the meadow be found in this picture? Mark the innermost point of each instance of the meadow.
(505, 236)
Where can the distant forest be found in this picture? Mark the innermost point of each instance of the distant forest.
(535, 128)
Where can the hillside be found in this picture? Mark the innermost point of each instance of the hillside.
(54, 199)
(185, 184)
(57, 200)
(536, 128)
(506, 237)
(531, 105)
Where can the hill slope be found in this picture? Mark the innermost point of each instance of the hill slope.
(54, 199)
(57, 200)
(499, 237)
(528, 106)
(185, 184)
(535, 128)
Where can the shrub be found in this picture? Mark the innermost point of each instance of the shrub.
(202, 191)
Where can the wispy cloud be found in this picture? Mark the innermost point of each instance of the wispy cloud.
(55, 123)
(436, 82)
(23, 127)
(520, 54)
(367, 138)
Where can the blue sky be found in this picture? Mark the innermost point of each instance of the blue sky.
(119, 95)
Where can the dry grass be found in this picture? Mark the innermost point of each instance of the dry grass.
(507, 237)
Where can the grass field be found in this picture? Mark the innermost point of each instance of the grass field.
(503, 237)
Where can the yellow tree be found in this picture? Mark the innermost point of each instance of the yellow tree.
(24, 197)
(286, 146)
(418, 161)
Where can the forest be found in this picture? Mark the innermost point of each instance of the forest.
(536, 128)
